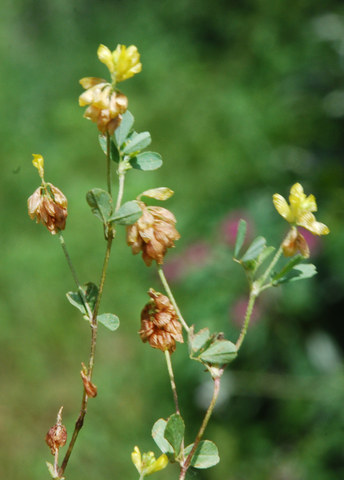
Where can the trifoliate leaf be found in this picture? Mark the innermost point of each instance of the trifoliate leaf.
(146, 161)
(220, 352)
(240, 237)
(174, 432)
(124, 128)
(127, 214)
(158, 434)
(205, 456)
(136, 142)
(109, 320)
(101, 203)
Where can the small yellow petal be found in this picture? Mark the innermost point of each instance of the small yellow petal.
(136, 459)
(307, 220)
(159, 464)
(88, 82)
(281, 206)
(105, 56)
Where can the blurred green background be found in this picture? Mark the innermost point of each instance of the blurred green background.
(242, 100)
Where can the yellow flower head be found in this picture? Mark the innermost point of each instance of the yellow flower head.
(147, 464)
(123, 63)
(299, 212)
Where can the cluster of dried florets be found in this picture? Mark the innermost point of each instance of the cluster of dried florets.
(106, 105)
(57, 434)
(153, 233)
(49, 206)
(159, 323)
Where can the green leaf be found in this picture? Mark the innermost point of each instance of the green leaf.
(219, 352)
(205, 456)
(114, 155)
(101, 203)
(279, 277)
(127, 214)
(146, 161)
(158, 434)
(109, 320)
(124, 128)
(254, 250)
(240, 238)
(90, 291)
(137, 142)
(174, 432)
(299, 272)
(199, 339)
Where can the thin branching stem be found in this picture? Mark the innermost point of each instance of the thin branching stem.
(93, 321)
(201, 431)
(247, 319)
(171, 297)
(173, 383)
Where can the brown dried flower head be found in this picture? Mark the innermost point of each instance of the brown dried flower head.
(57, 434)
(295, 242)
(105, 104)
(49, 206)
(153, 234)
(159, 323)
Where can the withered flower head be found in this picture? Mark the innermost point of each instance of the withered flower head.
(49, 206)
(57, 434)
(159, 323)
(153, 233)
(295, 242)
(105, 104)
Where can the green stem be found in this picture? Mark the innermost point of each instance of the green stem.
(271, 266)
(75, 277)
(249, 309)
(93, 318)
(121, 178)
(171, 297)
(173, 383)
(200, 433)
(108, 163)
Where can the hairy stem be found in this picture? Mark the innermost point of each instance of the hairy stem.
(171, 297)
(249, 309)
(200, 433)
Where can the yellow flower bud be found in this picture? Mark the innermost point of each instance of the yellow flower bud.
(147, 464)
(38, 162)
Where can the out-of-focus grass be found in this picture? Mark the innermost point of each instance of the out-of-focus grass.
(241, 101)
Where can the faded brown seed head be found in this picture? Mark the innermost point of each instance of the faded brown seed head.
(49, 206)
(159, 323)
(153, 234)
(294, 243)
(57, 434)
(106, 105)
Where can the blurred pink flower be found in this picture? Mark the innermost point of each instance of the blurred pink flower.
(229, 226)
(195, 256)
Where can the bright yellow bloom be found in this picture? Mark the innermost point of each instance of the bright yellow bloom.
(147, 464)
(123, 63)
(38, 162)
(299, 212)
